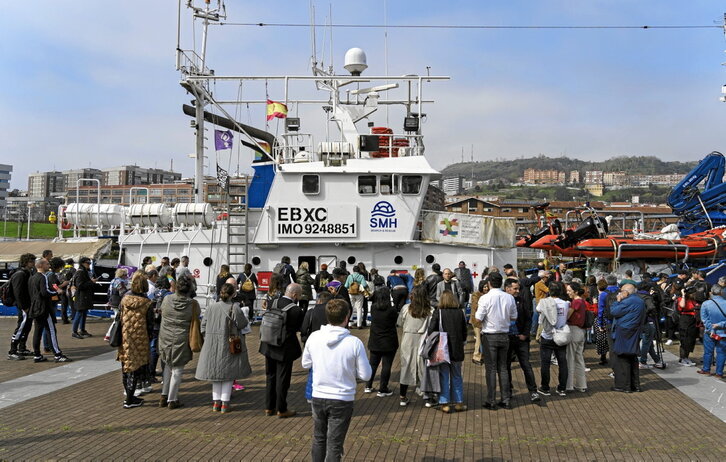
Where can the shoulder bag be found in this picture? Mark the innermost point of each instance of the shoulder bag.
(441, 352)
(195, 329)
(234, 341)
(116, 333)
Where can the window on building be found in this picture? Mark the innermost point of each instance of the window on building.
(523, 209)
(389, 184)
(507, 210)
(367, 184)
(411, 184)
(487, 209)
(311, 184)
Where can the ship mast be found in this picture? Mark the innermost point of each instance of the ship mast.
(191, 63)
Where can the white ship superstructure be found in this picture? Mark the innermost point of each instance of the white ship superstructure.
(353, 194)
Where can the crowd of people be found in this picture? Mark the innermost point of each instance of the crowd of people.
(159, 319)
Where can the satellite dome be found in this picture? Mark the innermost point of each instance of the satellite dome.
(355, 61)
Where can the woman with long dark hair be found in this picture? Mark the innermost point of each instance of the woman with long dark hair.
(687, 328)
(576, 379)
(383, 339)
(449, 317)
(413, 320)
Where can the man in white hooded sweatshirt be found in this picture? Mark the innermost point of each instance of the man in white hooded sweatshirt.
(338, 359)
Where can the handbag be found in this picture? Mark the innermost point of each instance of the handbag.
(234, 341)
(116, 332)
(195, 332)
(562, 336)
(441, 353)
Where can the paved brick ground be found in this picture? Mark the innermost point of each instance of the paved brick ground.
(86, 421)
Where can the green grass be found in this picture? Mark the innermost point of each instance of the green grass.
(37, 230)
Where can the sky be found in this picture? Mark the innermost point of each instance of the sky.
(89, 83)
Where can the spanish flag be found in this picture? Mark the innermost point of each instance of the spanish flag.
(276, 109)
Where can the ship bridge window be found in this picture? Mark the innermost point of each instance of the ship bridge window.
(411, 184)
(311, 184)
(367, 184)
(389, 184)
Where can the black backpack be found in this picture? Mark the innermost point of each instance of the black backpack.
(6, 294)
(611, 298)
(589, 319)
(701, 294)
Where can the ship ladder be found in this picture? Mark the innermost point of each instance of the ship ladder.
(237, 237)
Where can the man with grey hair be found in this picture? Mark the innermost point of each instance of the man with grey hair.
(713, 316)
(279, 359)
(628, 314)
(42, 310)
(449, 283)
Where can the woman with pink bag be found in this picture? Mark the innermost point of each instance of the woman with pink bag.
(449, 320)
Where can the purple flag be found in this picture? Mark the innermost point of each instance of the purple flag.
(222, 140)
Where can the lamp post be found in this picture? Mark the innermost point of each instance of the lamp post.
(30, 205)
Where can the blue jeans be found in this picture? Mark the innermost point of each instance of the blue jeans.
(331, 419)
(646, 344)
(309, 385)
(79, 321)
(452, 383)
(709, 347)
(154, 350)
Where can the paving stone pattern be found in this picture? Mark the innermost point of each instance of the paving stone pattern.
(87, 421)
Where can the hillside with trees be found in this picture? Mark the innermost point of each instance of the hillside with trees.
(510, 170)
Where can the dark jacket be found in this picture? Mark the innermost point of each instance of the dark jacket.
(221, 280)
(455, 327)
(524, 316)
(343, 294)
(466, 281)
(290, 349)
(321, 279)
(315, 318)
(251, 295)
(40, 294)
(288, 276)
(84, 290)
(525, 290)
(384, 336)
(19, 281)
(431, 282)
(306, 282)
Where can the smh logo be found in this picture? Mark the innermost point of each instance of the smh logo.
(383, 217)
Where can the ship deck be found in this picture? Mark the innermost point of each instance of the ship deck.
(73, 411)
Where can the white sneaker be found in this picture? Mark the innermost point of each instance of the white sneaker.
(367, 390)
(669, 342)
(611, 375)
(687, 362)
(587, 369)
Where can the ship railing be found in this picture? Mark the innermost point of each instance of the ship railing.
(190, 63)
(399, 145)
(300, 147)
(295, 147)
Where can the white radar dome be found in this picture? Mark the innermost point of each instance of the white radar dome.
(355, 61)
